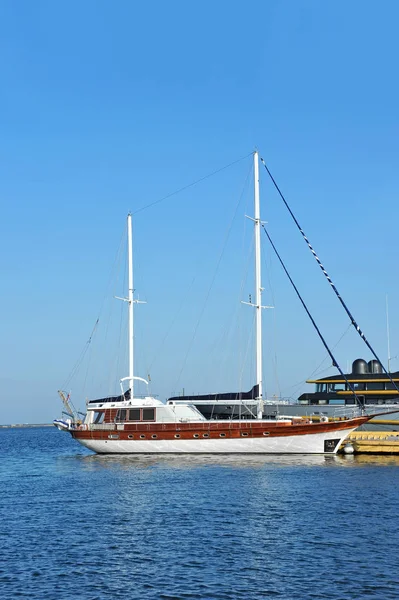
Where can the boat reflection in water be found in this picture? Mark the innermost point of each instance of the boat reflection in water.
(95, 462)
(201, 461)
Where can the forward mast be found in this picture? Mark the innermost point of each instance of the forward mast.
(131, 301)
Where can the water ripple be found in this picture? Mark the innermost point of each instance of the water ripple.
(76, 525)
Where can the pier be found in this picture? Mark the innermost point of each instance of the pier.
(373, 442)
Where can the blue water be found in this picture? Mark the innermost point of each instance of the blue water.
(76, 525)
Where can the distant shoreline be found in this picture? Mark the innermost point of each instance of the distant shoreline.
(25, 425)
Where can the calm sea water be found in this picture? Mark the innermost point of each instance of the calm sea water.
(76, 525)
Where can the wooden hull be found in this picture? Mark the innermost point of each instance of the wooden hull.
(257, 437)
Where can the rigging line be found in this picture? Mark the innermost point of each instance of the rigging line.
(335, 363)
(87, 372)
(247, 350)
(215, 272)
(111, 290)
(113, 272)
(81, 357)
(241, 358)
(353, 322)
(242, 337)
(182, 303)
(186, 187)
(228, 330)
(83, 353)
(324, 359)
(122, 319)
(118, 274)
(299, 383)
(274, 359)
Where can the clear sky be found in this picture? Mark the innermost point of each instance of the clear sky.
(107, 106)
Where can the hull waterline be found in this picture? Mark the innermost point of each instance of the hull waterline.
(312, 444)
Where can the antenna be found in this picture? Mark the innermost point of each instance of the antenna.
(388, 341)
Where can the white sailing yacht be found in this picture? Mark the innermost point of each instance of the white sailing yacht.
(128, 424)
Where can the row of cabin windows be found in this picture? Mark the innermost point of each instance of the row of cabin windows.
(127, 414)
(347, 400)
(358, 386)
(135, 414)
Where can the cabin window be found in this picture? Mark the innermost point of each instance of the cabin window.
(338, 387)
(375, 386)
(121, 414)
(142, 436)
(177, 435)
(154, 436)
(205, 435)
(390, 386)
(98, 417)
(222, 434)
(134, 414)
(148, 414)
(359, 386)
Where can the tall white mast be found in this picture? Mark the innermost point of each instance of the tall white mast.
(130, 301)
(258, 288)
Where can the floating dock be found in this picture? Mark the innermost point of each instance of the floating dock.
(372, 442)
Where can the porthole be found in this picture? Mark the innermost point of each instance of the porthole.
(222, 434)
(266, 433)
(142, 437)
(244, 433)
(205, 435)
(130, 436)
(177, 435)
(154, 436)
(196, 435)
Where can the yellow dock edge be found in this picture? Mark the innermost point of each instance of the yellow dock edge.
(373, 442)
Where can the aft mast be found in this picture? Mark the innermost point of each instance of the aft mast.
(258, 288)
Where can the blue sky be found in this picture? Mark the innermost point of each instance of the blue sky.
(106, 107)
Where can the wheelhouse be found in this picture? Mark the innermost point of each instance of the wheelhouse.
(123, 415)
